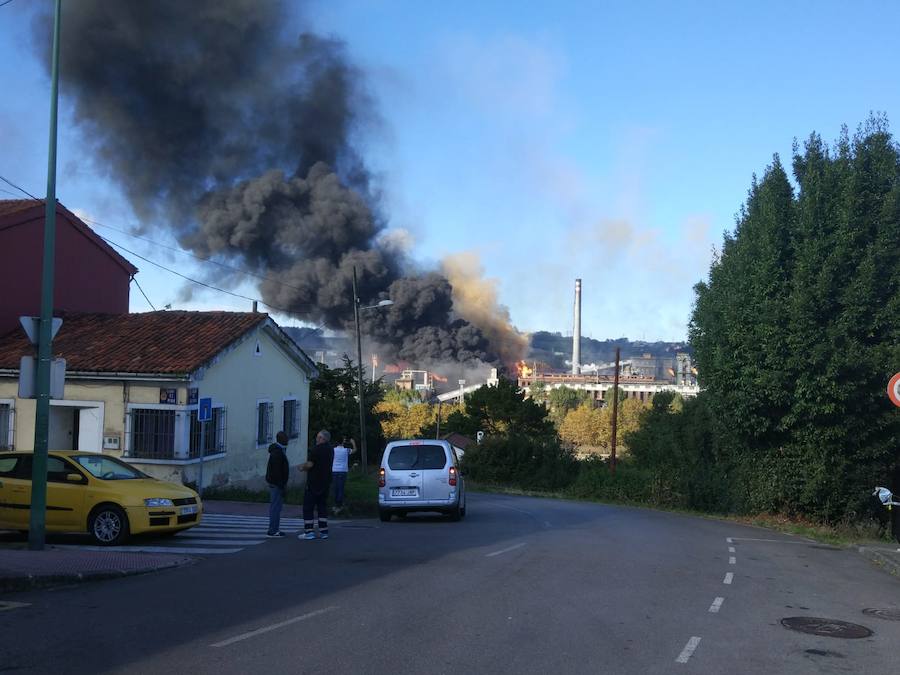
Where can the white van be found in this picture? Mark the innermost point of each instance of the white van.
(420, 475)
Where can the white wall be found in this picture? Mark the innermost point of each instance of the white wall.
(237, 380)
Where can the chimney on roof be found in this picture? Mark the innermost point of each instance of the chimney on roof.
(255, 310)
(576, 332)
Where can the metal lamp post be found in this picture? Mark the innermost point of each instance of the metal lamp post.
(364, 457)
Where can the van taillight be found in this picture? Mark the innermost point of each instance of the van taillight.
(380, 477)
(453, 476)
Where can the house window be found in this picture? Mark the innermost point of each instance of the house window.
(264, 422)
(292, 418)
(214, 438)
(6, 426)
(152, 433)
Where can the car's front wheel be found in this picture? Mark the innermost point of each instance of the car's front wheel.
(108, 525)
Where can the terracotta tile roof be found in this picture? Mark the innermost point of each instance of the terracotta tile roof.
(168, 342)
(8, 206)
(456, 439)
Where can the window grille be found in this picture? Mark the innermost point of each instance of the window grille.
(214, 441)
(264, 422)
(292, 418)
(152, 434)
(6, 432)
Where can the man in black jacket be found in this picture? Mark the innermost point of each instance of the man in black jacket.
(277, 472)
(318, 479)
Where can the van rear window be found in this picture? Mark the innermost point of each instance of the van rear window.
(417, 457)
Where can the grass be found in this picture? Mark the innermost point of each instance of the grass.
(360, 495)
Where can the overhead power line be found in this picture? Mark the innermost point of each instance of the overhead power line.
(195, 281)
(134, 279)
(20, 189)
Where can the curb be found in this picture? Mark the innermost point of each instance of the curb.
(888, 563)
(38, 581)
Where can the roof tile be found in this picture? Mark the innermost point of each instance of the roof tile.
(166, 342)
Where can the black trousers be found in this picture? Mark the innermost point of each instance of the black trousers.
(315, 501)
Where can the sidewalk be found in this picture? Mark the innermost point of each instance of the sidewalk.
(23, 569)
(888, 558)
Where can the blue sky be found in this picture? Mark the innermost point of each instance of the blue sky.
(558, 140)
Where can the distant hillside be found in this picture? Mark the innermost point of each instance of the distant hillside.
(555, 349)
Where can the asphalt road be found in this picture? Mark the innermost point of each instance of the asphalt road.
(520, 586)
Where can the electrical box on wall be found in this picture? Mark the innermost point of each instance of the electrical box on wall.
(110, 442)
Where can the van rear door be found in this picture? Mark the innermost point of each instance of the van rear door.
(403, 475)
(433, 459)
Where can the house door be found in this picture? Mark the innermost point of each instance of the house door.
(63, 428)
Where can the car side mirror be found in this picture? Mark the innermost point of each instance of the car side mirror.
(74, 478)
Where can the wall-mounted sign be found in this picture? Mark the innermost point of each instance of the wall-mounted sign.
(193, 395)
(204, 410)
(169, 396)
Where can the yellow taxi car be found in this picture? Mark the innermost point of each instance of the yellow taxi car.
(94, 493)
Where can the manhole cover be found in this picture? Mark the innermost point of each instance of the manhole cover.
(826, 627)
(888, 614)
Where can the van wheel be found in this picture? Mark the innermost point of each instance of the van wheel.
(108, 525)
(455, 514)
(462, 512)
(385, 515)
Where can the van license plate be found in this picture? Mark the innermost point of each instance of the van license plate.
(403, 492)
(187, 510)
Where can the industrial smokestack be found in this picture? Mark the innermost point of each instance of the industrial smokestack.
(576, 333)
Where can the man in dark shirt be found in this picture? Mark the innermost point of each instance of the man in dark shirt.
(277, 472)
(318, 480)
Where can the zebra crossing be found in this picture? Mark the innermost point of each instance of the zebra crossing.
(217, 534)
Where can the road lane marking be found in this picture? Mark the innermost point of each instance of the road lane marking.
(225, 542)
(730, 540)
(731, 549)
(688, 650)
(717, 605)
(219, 535)
(732, 560)
(777, 541)
(505, 550)
(274, 626)
(728, 578)
(9, 604)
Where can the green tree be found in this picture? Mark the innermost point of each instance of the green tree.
(499, 411)
(565, 399)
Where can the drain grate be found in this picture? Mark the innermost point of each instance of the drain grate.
(826, 627)
(886, 614)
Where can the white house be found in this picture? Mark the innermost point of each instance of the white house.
(133, 382)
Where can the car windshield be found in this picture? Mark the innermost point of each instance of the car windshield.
(107, 468)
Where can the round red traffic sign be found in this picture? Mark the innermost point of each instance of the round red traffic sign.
(894, 390)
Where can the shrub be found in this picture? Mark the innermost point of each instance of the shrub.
(521, 461)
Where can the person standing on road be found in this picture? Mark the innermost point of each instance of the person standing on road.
(318, 481)
(339, 470)
(277, 472)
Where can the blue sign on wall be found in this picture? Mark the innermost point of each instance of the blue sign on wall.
(204, 410)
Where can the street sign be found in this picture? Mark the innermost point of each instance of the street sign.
(204, 410)
(32, 326)
(28, 377)
(894, 390)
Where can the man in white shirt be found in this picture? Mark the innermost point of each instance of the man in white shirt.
(339, 469)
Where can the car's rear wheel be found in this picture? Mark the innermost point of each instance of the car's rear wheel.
(462, 511)
(385, 515)
(108, 525)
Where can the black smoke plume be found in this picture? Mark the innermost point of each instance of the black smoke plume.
(233, 123)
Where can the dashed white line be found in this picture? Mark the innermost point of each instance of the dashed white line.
(729, 577)
(9, 604)
(729, 540)
(716, 605)
(731, 549)
(732, 560)
(274, 626)
(505, 550)
(688, 650)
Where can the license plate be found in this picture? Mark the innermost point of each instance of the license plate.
(403, 492)
(188, 510)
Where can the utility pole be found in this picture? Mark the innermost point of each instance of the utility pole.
(615, 417)
(38, 511)
(362, 413)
